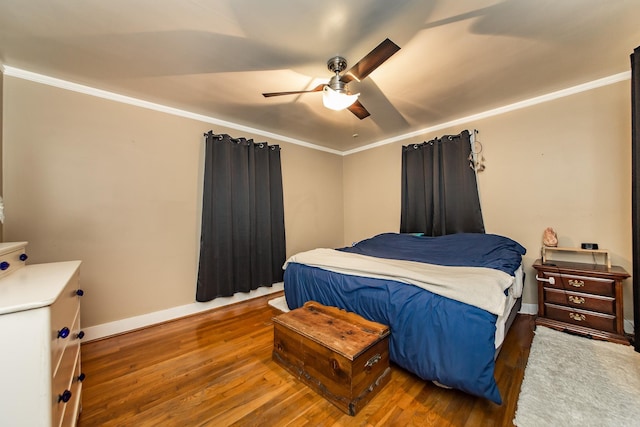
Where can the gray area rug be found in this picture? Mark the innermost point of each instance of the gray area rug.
(576, 381)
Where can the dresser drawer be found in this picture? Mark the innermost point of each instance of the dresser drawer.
(12, 257)
(590, 285)
(588, 319)
(580, 300)
(63, 381)
(63, 314)
(70, 345)
(72, 409)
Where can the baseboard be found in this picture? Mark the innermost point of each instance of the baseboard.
(629, 326)
(132, 323)
(529, 309)
(137, 322)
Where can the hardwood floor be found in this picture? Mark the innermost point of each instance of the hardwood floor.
(215, 369)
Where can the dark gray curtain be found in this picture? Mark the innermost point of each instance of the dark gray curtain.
(635, 189)
(439, 189)
(242, 244)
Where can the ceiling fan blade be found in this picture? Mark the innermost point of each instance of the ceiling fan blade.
(358, 109)
(315, 89)
(371, 61)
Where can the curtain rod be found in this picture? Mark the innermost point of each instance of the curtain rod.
(449, 137)
(239, 140)
(222, 135)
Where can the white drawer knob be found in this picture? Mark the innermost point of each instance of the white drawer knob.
(550, 280)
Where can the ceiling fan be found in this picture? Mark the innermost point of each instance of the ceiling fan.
(335, 94)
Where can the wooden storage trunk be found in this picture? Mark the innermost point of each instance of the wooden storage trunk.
(340, 355)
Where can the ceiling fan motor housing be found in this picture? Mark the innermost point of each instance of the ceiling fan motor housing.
(337, 64)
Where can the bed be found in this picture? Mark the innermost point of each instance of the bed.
(448, 300)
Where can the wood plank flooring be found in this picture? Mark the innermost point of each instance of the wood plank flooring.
(215, 369)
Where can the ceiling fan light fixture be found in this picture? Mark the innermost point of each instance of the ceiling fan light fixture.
(335, 95)
(335, 100)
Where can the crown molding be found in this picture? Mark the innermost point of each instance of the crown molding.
(87, 90)
(112, 96)
(616, 78)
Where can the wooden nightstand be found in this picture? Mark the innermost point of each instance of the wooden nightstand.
(584, 299)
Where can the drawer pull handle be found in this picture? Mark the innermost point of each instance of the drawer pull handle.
(577, 317)
(79, 292)
(576, 283)
(576, 300)
(550, 280)
(80, 335)
(64, 397)
(375, 359)
(4, 265)
(63, 333)
(23, 257)
(81, 377)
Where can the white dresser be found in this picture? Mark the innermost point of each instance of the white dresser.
(40, 329)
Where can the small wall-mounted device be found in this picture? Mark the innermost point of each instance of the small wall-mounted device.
(593, 246)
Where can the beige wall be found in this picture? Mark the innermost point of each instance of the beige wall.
(372, 192)
(119, 187)
(313, 199)
(1, 132)
(564, 163)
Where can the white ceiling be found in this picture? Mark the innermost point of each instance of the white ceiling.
(217, 57)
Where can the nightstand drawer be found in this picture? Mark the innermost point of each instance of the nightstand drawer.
(588, 319)
(590, 285)
(579, 300)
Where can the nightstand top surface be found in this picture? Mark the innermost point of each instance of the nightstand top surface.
(581, 268)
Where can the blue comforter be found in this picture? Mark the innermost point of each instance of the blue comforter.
(463, 250)
(434, 337)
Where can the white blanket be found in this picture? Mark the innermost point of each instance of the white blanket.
(478, 286)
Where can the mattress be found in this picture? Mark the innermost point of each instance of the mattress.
(514, 293)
